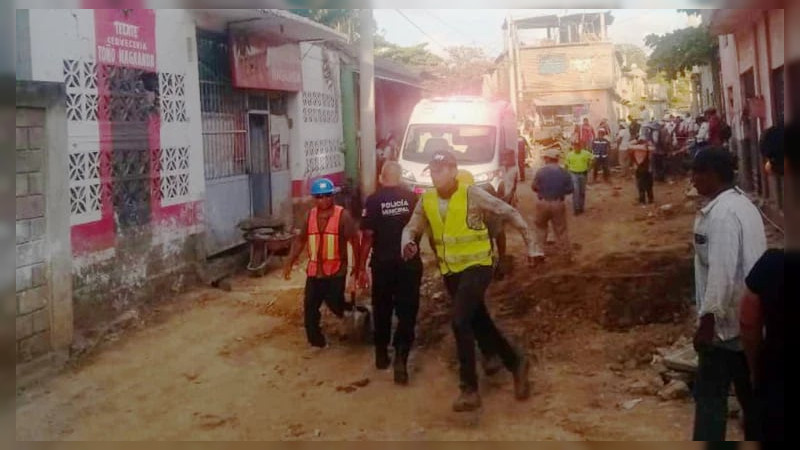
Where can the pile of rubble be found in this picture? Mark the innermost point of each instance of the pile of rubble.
(673, 368)
(676, 366)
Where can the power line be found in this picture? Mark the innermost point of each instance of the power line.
(444, 47)
(473, 42)
(440, 20)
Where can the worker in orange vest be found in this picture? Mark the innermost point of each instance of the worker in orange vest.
(326, 232)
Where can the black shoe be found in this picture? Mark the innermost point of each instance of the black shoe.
(382, 359)
(401, 367)
(467, 401)
(319, 342)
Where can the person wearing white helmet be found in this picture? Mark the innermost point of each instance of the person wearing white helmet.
(326, 232)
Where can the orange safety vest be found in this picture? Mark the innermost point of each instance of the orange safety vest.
(324, 246)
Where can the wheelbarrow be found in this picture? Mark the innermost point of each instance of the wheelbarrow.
(266, 240)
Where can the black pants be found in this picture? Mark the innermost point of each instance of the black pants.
(770, 396)
(600, 163)
(319, 290)
(395, 289)
(471, 322)
(660, 166)
(717, 369)
(644, 183)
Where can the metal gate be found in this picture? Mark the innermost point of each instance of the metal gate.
(232, 157)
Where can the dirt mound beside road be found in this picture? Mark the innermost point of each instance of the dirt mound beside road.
(616, 292)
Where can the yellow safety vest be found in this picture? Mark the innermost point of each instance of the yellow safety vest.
(458, 246)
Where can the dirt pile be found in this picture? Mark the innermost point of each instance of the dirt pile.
(617, 292)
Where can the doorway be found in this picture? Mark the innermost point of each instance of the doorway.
(260, 180)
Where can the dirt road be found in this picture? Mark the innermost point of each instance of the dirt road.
(216, 365)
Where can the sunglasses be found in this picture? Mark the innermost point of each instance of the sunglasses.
(319, 196)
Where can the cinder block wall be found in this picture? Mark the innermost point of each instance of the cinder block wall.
(33, 313)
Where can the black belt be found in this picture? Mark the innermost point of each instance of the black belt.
(580, 173)
(558, 199)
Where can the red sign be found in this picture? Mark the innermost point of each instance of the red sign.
(260, 64)
(126, 38)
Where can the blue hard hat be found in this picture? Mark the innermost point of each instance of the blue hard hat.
(322, 186)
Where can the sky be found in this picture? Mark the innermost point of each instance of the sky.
(482, 27)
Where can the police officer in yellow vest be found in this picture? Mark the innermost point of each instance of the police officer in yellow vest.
(326, 232)
(454, 213)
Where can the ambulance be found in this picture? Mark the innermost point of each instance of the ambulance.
(481, 133)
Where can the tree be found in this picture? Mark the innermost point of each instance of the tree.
(417, 56)
(463, 71)
(633, 55)
(345, 21)
(676, 52)
(692, 12)
(460, 71)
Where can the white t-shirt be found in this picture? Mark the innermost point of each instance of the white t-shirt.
(702, 133)
(624, 137)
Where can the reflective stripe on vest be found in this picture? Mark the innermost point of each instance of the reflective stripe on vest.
(324, 246)
(457, 246)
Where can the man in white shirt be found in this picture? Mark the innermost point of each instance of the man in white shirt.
(644, 115)
(624, 144)
(728, 240)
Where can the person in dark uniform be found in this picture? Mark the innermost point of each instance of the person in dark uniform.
(601, 147)
(395, 283)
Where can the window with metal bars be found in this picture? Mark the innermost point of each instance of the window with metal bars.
(224, 109)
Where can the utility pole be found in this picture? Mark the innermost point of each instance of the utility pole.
(367, 103)
(512, 62)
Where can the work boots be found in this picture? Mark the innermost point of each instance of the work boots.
(467, 401)
(381, 358)
(401, 366)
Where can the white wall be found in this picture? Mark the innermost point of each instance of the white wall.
(177, 54)
(764, 73)
(316, 112)
(730, 83)
(62, 37)
(56, 35)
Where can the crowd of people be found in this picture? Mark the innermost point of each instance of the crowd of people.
(739, 284)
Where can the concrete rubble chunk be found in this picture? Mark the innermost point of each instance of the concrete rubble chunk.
(675, 390)
(642, 388)
(683, 359)
(686, 377)
(630, 404)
